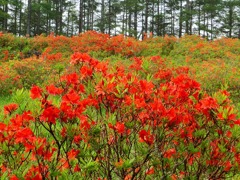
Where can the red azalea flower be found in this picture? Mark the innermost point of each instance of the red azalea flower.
(228, 166)
(208, 103)
(85, 72)
(72, 154)
(14, 177)
(50, 114)
(150, 171)
(146, 87)
(169, 153)
(146, 137)
(77, 168)
(79, 57)
(120, 127)
(71, 97)
(23, 134)
(8, 109)
(36, 92)
(54, 90)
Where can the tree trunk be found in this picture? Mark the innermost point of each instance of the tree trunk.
(130, 23)
(152, 23)
(5, 26)
(109, 17)
(187, 17)
(204, 23)
(123, 22)
(57, 18)
(92, 15)
(158, 18)
(20, 21)
(180, 20)
(80, 30)
(230, 20)
(126, 22)
(29, 17)
(199, 19)
(135, 20)
(102, 29)
(15, 19)
(61, 17)
(172, 21)
(47, 22)
(68, 22)
(163, 18)
(146, 18)
(38, 19)
(191, 17)
(211, 26)
(88, 14)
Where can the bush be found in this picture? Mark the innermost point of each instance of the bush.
(159, 46)
(12, 47)
(109, 122)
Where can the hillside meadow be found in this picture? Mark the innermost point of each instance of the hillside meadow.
(99, 107)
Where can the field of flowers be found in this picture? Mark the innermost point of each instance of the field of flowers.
(99, 107)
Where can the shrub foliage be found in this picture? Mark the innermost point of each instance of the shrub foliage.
(116, 122)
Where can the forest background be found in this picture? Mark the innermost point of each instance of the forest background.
(208, 18)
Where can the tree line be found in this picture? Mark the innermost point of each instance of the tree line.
(208, 18)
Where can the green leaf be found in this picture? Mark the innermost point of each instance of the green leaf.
(4, 175)
(200, 133)
(238, 146)
(145, 64)
(59, 67)
(55, 174)
(149, 77)
(4, 147)
(64, 175)
(128, 163)
(129, 124)
(192, 149)
(112, 118)
(222, 148)
(91, 166)
(235, 131)
(95, 131)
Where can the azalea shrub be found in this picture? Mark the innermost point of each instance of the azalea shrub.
(89, 41)
(159, 45)
(126, 46)
(216, 74)
(50, 46)
(8, 79)
(213, 63)
(17, 74)
(143, 121)
(12, 47)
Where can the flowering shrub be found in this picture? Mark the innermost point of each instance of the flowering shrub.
(200, 49)
(31, 71)
(109, 122)
(159, 45)
(215, 74)
(12, 47)
(125, 46)
(213, 63)
(23, 74)
(8, 79)
(89, 41)
(49, 56)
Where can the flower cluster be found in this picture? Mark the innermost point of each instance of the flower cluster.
(113, 122)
